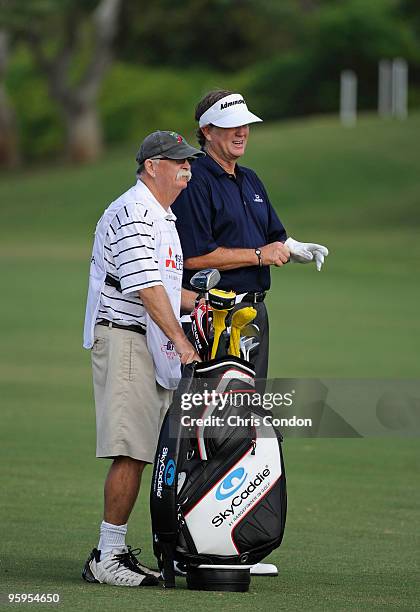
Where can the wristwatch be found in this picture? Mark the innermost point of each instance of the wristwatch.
(258, 254)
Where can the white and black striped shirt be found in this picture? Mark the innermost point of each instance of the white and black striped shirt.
(131, 259)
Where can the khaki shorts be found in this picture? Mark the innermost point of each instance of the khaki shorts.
(130, 404)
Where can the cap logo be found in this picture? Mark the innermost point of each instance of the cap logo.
(227, 104)
(178, 137)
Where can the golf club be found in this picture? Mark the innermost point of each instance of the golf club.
(250, 331)
(203, 281)
(221, 303)
(240, 319)
(248, 346)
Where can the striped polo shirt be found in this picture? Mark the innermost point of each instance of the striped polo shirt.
(131, 259)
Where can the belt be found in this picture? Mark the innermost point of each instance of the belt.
(111, 325)
(253, 297)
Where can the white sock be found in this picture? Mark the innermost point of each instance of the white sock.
(111, 536)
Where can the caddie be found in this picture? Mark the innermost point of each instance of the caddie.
(137, 343)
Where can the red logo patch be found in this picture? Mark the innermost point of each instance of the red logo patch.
(170, 263)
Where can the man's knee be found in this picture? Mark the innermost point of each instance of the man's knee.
(129, 464)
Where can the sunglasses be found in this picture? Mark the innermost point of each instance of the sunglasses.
(177, 161)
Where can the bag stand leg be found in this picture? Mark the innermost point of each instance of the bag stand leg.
(168, 571)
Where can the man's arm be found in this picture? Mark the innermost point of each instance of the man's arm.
(222, 258)
(188, 300)
(157, 304)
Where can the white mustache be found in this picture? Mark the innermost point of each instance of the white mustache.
(186, 174)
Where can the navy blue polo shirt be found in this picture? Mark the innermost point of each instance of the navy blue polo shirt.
(218, 209)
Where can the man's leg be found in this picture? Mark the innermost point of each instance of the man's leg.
(261, 361)
(121, 489)
(112, 562)
(127, 416)
(120, 494)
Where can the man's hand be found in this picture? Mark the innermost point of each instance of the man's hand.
(275, 253)
(186, 351)
(305, 252)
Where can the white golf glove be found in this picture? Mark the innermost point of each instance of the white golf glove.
(305, 252)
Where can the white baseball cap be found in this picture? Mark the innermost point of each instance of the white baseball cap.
(230, 111)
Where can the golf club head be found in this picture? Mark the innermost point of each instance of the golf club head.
(244, 342)
(253, 348)
(249, 347)
(204, 280)
(250, 331)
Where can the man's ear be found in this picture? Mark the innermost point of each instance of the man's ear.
(149, 168)
(206, 130)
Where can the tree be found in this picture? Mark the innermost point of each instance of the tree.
(225, 35)
(8, 136)
(72, 44)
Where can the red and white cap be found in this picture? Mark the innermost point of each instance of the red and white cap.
(230, 111)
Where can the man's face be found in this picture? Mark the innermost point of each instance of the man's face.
(172, 175)
(228, 143)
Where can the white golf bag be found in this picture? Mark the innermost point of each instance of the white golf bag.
(218, 495)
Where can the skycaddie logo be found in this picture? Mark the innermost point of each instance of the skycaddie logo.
(166, 472)
(251, 488)
(231, 484)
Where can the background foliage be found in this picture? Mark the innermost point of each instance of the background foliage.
(286, 57)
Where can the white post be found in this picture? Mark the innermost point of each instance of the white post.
(348, 98)
(385, 89)
(399, 88)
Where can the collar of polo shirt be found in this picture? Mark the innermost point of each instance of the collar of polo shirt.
(146, 197)
(230, 111)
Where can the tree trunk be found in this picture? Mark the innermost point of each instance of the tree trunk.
(84, 134)
(9, 154)
(78, 100)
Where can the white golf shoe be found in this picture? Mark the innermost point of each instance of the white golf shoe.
(118, 568)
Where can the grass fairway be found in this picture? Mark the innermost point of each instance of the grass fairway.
(352, 533)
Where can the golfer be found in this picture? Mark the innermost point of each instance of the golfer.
(135, 285)
(225, 219)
